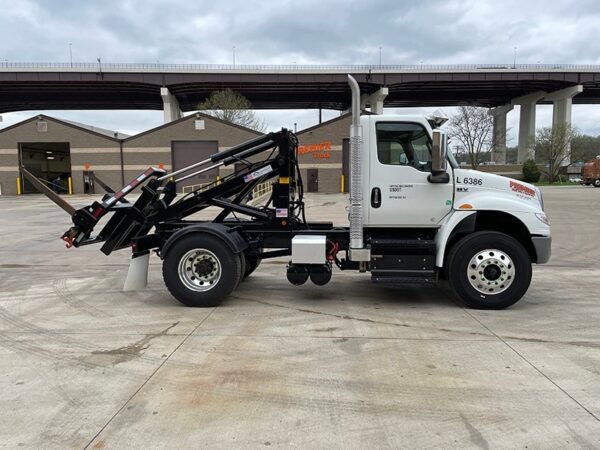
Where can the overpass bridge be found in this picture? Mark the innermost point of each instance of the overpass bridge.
(174, 88)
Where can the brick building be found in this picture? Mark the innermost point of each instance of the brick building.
(51, 148)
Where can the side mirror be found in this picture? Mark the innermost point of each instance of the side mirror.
(439, 158)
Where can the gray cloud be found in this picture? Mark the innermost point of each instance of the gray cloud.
(307, 32)
(332, 32)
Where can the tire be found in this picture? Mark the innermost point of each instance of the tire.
(251, 265)
(243, 267)
(501, 267)
(597, 183)
(200, 270)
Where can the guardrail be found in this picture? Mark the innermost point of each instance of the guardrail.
(194, 187)
(8, 66)
(259, 192)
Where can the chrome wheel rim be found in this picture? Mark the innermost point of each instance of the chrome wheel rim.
(491, 272)
(199, 270)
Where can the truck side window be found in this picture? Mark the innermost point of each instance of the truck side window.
(404, 144)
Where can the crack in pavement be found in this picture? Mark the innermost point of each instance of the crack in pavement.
(532, 365)
(148, 379)
(586, 344)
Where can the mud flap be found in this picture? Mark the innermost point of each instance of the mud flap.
(137, 275)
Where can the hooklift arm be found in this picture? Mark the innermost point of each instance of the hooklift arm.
(48, 192)
(86, 218)
(155, 207)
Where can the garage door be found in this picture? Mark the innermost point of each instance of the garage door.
(186, 153)
(48, 161)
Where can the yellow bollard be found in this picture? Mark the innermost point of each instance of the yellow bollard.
(70, 181)
(18, 185)
(342, 184)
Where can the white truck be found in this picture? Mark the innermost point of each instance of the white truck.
(414, 217)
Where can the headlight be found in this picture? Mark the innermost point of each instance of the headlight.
(541, 198)
(543, 218)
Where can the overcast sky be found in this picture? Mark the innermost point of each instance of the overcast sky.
(302, 32)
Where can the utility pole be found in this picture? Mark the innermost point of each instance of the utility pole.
(71, 53)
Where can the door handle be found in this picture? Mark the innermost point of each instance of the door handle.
(376, 197)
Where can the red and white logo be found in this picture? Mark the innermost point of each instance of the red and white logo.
(522, 189)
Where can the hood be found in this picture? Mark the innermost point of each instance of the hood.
(480, 191)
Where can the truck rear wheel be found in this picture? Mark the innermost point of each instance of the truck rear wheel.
(489, 270)
(597, 183)
(201, 270)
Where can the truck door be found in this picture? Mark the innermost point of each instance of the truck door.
(399, 164)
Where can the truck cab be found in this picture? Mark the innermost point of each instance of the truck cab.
(484, 230)
(590, 173)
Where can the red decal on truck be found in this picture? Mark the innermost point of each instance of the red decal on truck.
(522, 189)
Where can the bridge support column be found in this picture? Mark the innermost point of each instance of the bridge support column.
(170, 105)
(374, 101)
(562, 102)
(499, 132)
(528, 105)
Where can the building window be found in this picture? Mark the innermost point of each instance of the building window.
(42, 126)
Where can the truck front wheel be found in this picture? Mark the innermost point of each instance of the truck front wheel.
(489, 270)
(597, 182)
(201, 270)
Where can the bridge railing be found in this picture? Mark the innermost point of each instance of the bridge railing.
(8, 66)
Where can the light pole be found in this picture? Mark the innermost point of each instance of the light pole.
(71, 53)
(380, 57)
(515, 58)
(233, 50)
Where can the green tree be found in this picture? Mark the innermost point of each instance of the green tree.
(531, 172)
(585, 147)
(232, 107)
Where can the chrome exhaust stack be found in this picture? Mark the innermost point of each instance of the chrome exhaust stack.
(357, 252)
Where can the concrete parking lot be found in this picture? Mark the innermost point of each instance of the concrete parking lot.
(350, 364)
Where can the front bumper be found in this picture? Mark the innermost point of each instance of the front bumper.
(543, 248)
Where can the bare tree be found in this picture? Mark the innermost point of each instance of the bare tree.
(232, 107)
(472, 129)
(553, 147)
